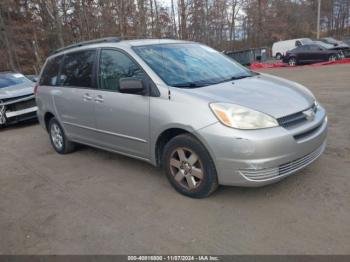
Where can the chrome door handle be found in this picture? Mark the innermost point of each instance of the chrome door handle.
(87, 97)
(99, 99)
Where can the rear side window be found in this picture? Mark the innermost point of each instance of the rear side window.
(49, 76)
(77, 69)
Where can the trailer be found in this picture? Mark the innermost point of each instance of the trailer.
(248, 56)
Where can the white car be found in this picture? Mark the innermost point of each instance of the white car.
(280, 48)
(17, 102)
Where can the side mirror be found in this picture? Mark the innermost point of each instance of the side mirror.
(131, 86)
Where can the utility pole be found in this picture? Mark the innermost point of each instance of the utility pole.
(318, 18)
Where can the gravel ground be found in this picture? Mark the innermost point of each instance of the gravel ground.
(94, 202)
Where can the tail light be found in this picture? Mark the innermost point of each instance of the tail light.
(36, 87)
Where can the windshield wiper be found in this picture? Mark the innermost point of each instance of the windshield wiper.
(189, 85)
(233, 78)
(240, 77)
(201, 84)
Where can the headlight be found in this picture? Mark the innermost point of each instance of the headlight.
(241, 117)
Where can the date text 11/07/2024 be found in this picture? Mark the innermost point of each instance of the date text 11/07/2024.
(173, 258)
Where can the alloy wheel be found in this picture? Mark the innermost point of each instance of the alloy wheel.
(56, 136)
(186, 168)
(292, 62)
(332, 58)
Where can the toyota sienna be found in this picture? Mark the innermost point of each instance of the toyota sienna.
(181, 105)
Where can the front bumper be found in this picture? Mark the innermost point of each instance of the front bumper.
(260, 157)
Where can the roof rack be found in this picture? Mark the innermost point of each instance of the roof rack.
(113, 39)
(89, 42)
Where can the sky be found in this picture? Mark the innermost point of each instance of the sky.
(167, 2)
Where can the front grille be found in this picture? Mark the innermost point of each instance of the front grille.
(21, 105)
(294, 119)
(285, 169)
(6, 100)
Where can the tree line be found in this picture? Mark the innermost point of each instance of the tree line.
(31, 29)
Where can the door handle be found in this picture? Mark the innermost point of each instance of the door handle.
(99, 99)
(87, 97)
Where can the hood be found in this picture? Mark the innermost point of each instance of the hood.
(17, 90)
(271, 95)
(341, 45)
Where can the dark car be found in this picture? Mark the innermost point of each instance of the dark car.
(17, 101)
(342, 46)
(308, 54)
(334, 42)
(346, 40)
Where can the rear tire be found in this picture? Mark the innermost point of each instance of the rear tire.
(58, 138)
(292, 61)
(278, 56)
(189, 167)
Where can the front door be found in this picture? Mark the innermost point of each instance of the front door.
(122, 119)
(315, 53)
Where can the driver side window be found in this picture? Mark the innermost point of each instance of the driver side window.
(115, 65)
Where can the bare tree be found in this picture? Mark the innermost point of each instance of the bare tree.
(30, 29)
(5, 38)
(173, 18)
(182, 15)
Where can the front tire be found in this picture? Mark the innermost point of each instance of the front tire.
(278, 56)
(189, 167)
(58, 139)
(332, 58)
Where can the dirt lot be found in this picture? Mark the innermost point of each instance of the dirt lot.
(93, 202)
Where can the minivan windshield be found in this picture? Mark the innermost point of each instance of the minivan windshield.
(11, 79)
(190, 65)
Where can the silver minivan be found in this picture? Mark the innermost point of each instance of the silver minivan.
(183, 106)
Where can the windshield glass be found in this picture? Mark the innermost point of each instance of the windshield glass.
(190, 65)
(9, 79)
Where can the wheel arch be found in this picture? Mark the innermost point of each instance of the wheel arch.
(165, 136)
(47, 117)
(279, 53)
